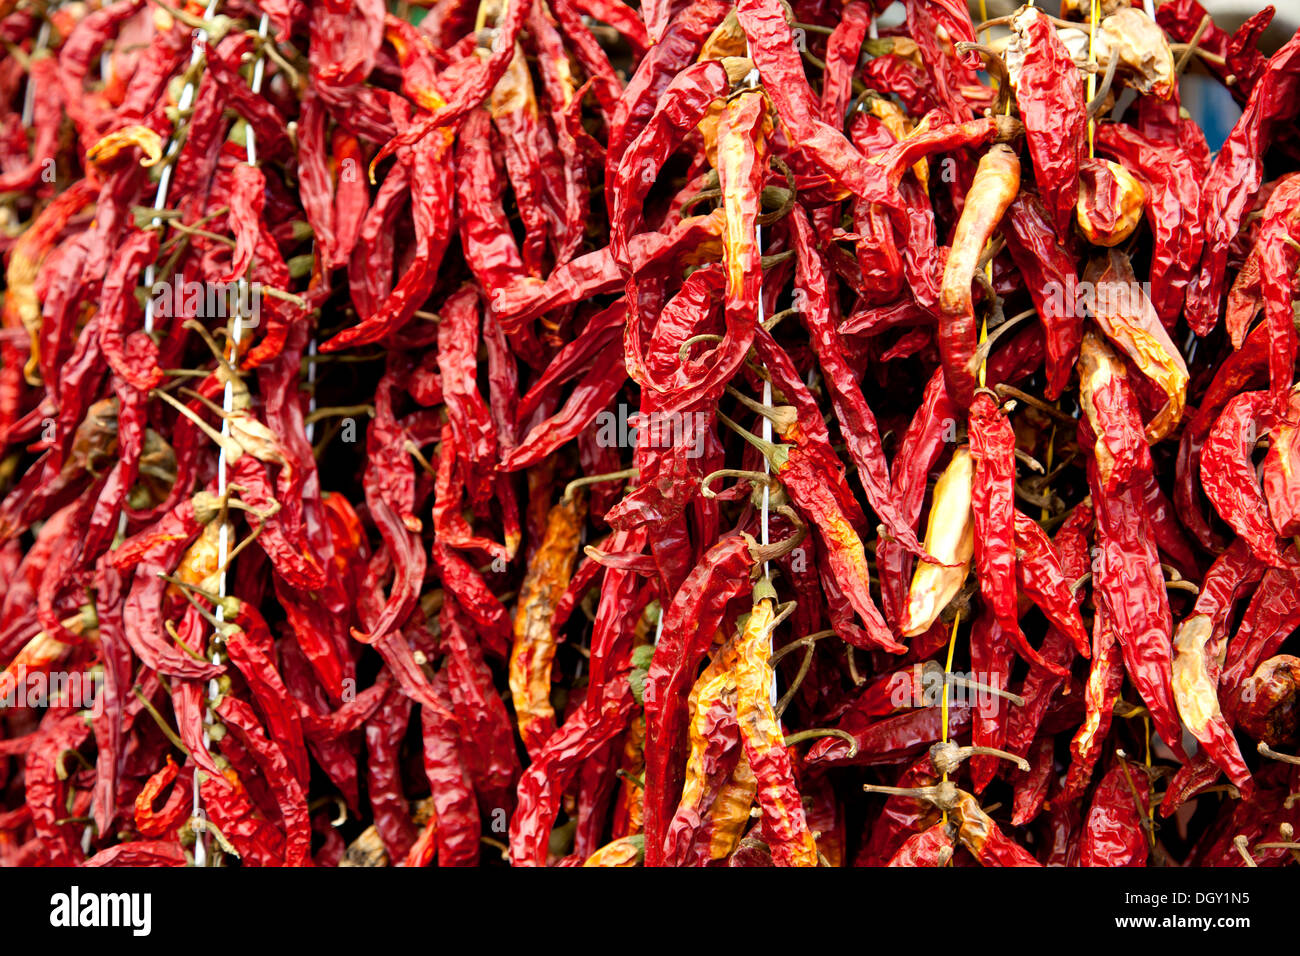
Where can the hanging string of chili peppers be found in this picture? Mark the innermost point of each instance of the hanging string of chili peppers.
(751, 433)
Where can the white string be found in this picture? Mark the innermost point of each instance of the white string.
(29, 92)
(150, 272)
(164, 181)
(767, 422)
(310, 428)
(227, 406)
(752, 80)
(173, 147)
(767, 437)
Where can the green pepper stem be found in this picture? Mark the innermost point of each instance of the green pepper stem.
(170, 628)
(160, 721)
(783, 417)
(757, 477)
(985, 347)
(815, 732)
(571, 487)
(1266, 751)
(806, 641)
(227, 444)
(775, 454)
(804, 666)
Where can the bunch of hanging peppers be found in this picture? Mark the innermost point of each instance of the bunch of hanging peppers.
(701, 433)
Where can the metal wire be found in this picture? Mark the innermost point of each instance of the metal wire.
(173, 147)
(227, 406)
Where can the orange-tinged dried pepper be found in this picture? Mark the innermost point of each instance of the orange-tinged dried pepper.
(155, 823)
(148, 141)
(534, 646)
(201, 561)
(730, 814)
(895, 120)
(716, 800)
(415, 56)
(1196, 692)
(1108, 407)
(629, 811)
(760, 732)
(625, 851)
(1122, 310)
(1110, 202)
(950, 537)
(983, 838)
(1281, 470)
(22, 307)
(995, 185)
(727, 44)
(742, 162)
(35, 657)
(1145, 60)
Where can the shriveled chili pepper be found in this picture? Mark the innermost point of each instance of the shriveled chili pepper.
(1124, 313)
(1115, 831)
(930, 847)
(861, 431)
(1278, 472)
(1228, 474)
(719, 787)
(811, 476)
(1049, 270)
(778, 798)
(1235, 178)
(950, 536)
(1128, 580)
(1170, 179)
(689, 623)
(1049, 96)
(996, 182)
(534, 648)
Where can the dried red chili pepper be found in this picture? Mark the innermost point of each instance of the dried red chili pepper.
(1235, 178)
(548, 575)
(1049, 96)
(996, 182)
(1115, 833)
(1228, 474)
(792, 843)
(930, 847)
(689, 624)
(1172, 184)
(860, 429)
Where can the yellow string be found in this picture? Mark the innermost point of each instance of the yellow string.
(1047, 489)
(1146, 728)
(947, 670)
(1092, 75)
(988, 268)
(984, 334)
